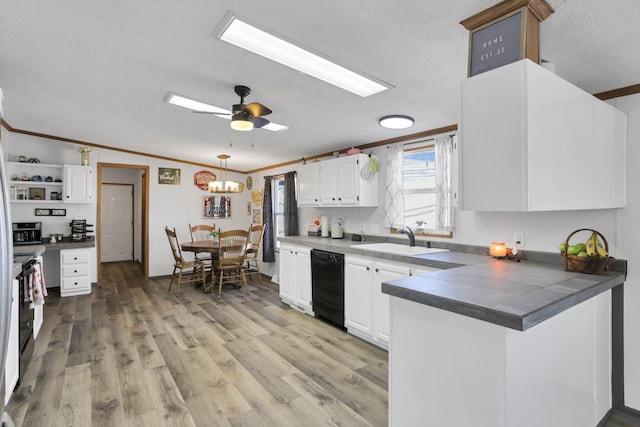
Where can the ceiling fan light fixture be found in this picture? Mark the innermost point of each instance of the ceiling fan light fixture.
(222, 185)
(235, 30)
(396, 122)
(242, 122)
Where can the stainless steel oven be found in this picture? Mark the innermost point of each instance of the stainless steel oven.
(27, 233)
(25, 313)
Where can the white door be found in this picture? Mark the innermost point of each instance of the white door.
(116, 230)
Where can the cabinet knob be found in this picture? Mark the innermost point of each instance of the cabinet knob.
(339, 198)
(75, 258)
(368, 268)
(377, 270)
(75, 271)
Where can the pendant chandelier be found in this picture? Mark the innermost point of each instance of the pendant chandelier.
(221, 185)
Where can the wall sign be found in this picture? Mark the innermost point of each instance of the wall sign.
(496, 44)
(201, 179)
(170, 176)
(216, 207)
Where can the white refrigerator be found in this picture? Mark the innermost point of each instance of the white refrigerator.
(6, 264)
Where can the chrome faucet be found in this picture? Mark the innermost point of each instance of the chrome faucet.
(409, 232)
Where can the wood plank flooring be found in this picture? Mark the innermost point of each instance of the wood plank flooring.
(133, 354)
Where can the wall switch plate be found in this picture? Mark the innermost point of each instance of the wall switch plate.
(518, 236)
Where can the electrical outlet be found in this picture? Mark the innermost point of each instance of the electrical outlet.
(518, 236)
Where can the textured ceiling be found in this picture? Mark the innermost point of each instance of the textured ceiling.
(97, 71)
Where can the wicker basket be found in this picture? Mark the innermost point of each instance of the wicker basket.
(586, 264)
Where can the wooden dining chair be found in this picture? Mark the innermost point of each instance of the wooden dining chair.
(231, 254)
(202, 232)
(180, 265)
(252, 266)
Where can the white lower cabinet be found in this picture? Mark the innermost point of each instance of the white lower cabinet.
(366, 307)
(295, 276)
(74, 272)
(12, 363)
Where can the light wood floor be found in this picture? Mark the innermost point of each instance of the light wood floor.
(133, 354)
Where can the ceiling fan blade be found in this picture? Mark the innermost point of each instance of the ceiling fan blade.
(258, 122)
(256, 109)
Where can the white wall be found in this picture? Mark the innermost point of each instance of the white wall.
(629, 236)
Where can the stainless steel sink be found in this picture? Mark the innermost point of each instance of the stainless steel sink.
(398, 249)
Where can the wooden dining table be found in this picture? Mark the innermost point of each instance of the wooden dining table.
(199, 246)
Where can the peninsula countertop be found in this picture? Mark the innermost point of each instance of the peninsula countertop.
(516, 295)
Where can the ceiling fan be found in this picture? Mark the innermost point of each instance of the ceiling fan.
(246, 117)
(243, 117)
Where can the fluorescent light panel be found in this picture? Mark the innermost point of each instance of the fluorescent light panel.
(193, 105)
(235, 31)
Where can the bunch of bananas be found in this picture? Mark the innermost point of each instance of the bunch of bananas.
(595, 247)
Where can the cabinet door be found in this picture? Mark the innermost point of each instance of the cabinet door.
(309, 185)
(358, 296)
(384, 272)
(78, 184)
(303, 277)
(347, 172)
(329, 183)
(287, 272)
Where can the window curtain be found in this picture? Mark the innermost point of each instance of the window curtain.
(393, 196)
(268, 242)
(290, 205)
(444, 184)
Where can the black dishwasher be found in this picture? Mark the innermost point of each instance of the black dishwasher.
(327, 286)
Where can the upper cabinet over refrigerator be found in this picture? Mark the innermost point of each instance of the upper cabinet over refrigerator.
(532, 141)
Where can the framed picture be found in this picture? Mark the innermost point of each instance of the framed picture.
(169, 176)
(43, 212)
(58, 212)
(216, 207)
(249, 208)
(36, 193)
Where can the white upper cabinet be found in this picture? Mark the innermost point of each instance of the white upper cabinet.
(78, 184)
(337, 182)
(532, 141)
(309, 185)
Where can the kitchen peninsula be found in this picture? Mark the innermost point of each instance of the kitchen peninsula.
(489, 342)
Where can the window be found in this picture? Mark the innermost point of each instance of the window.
(420, 190)
(278, 209)
(419, 187)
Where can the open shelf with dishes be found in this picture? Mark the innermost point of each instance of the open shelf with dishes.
(35, 182)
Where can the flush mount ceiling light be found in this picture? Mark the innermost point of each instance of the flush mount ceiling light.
(396, 122)
(222, 185)
(200, 107)
(236, 30)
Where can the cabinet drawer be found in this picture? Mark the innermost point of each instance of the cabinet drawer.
(76, 283)
(75, 257)
(74, 270)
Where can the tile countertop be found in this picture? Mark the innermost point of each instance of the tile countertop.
(516, 295)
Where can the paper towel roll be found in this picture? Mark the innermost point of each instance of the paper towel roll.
(324, 225)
